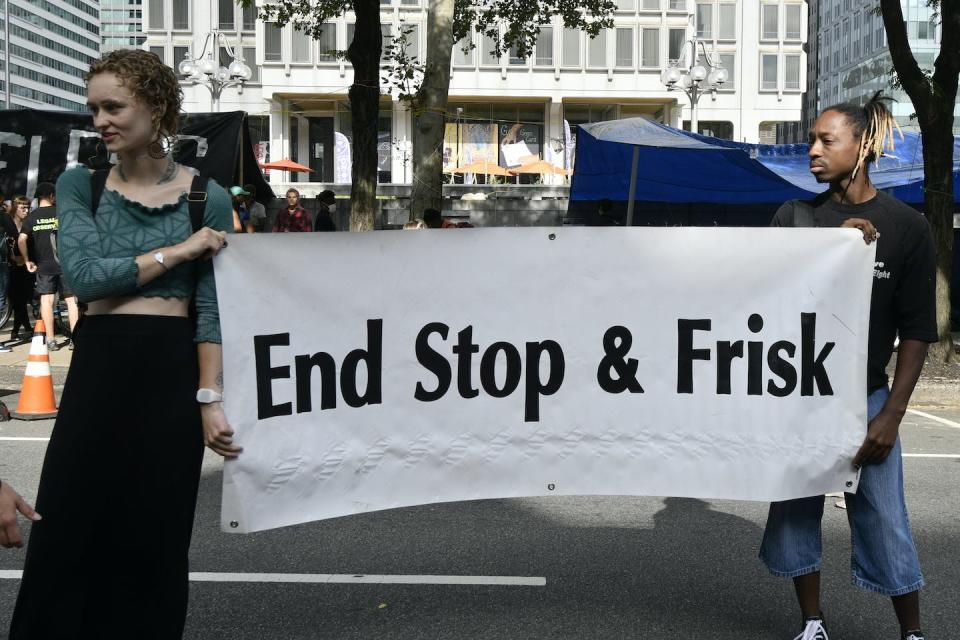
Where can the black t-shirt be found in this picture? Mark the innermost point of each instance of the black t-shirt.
(41, 229)
(904, 284)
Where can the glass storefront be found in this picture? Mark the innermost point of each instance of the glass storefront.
(505, 135)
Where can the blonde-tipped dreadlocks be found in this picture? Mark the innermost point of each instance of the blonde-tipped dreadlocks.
(873, 124)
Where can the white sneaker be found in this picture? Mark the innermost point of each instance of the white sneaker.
(813, 630)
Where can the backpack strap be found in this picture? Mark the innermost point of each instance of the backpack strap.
(197, 201)
(98, 181)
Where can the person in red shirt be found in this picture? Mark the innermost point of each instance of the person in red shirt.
(294, 217)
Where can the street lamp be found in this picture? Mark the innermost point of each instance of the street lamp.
(206, 71)
(695, 79)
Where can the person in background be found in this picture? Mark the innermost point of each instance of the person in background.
(433, 218)
(416, 223)
(8, 233)
(241, 215)
(39, 231)
(21, 281)
(258, 215)
(323, 221)
(294, 217)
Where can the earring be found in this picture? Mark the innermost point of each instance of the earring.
(161, 147)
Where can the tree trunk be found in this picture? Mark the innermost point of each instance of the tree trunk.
(429, 109)
(364, 55)
(938, 203)
(933, 99)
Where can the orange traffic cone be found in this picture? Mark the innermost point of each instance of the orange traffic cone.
(36, 394)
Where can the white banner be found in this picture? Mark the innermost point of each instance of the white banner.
(376, 370)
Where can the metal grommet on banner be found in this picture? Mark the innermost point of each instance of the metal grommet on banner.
(552, 236)
(551, 487)
(234, 524)
(849, 483)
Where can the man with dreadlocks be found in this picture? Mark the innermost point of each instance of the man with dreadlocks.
(843, 141)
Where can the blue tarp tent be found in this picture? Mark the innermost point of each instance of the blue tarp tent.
(674, 166)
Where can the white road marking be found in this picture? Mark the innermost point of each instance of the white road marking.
(13, 439)
(929, 416)
(343, 578)
(955, 456)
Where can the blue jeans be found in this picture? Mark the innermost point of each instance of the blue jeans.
(884, 556)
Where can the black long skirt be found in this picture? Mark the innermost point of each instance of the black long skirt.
(118, 488)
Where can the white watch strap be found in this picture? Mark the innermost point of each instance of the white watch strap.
(206, 396)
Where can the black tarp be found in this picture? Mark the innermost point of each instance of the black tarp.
(37, 146)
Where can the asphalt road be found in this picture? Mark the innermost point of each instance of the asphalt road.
(613, 567)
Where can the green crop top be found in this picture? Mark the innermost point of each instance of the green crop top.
(98, 253)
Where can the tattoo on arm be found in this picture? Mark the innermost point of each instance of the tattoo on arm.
(220, 380)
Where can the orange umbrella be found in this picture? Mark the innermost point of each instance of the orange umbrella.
(286, 165)
(541, 166)
(485, 168)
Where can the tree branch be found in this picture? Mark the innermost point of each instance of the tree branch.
(947, 65)
(908, 71)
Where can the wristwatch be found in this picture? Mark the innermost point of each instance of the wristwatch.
(206, 396)
(159, 257)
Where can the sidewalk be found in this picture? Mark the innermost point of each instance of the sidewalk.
(18, 358)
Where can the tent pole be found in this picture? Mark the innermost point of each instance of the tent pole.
(633, 184)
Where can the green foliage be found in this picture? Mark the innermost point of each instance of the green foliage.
(306, 16)
(509, 24)
(405, 74)
(521, 20)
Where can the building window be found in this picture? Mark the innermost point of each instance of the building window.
(386, 40)
(462, 53)
(413, 41)
(650, 56)
(791, 72)
(249, 17)
(571, 48)
(489, 57)
(625, 47)
(514, 58)
(768, 70)
(327, 43)
(272, 39)
(651, 5)
(678, 5)
(597, 51)
(179, 53)
(675, 44)
(728, 21)
(160, 52)
(155, 15)
(250, 57)
(626, 5)
(181, 14)
(544, 48)
(300, 46)
(729, 62)
(704, 20)
(770, 19)
(225, 14)
(792, 21)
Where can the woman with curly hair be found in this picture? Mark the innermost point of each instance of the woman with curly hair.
(119, 482)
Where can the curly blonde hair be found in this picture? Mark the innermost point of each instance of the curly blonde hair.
(151, 81)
